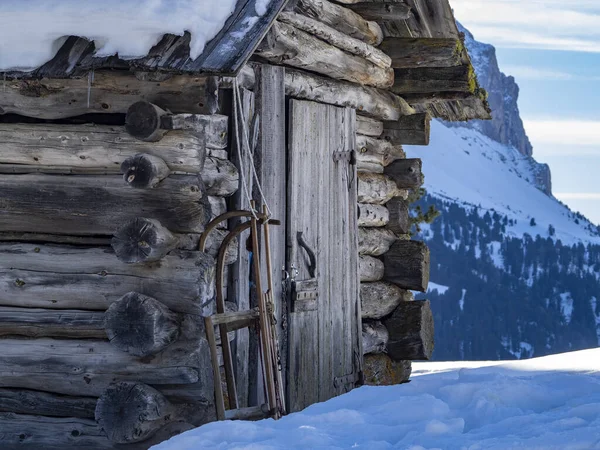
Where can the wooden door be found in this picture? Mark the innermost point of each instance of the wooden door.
(324, 358)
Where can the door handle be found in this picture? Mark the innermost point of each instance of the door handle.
(312, 267)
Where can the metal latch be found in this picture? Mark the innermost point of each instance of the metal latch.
(305, 296)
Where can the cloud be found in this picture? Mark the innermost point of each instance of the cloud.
(577, 195)
(538, 24)
(569, 133)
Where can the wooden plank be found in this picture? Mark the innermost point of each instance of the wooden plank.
(342, 19)
(407, 265)
(95, 205)
(285, 44)
(32, 322)
(94, 147)
(62, 277)
(382, 11)
(409, 130)
(411, 331)
(407, 53)
(111, 92)
(23, 401)
(336, 38)
(272, 170)
(88, 367)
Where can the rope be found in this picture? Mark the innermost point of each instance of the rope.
(246, 144)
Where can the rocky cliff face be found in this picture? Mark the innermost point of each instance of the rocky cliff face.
(506, 125)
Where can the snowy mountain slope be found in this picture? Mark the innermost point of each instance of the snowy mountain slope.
(550, 403)
(464, 166)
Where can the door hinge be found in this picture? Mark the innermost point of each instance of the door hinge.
(349, 156)
(353, 378)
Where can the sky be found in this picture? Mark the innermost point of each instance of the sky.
(552, 48)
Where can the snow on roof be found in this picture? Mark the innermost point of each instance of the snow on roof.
(32, 31)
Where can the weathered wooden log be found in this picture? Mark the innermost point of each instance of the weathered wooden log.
(342, 19)
(111, 92)
(97, 205)
(22, 401)
(407, 265)
(409, 53)
(220, 177)
(132, 412)
(406, 173)
(411, 331)
(212, 128)
(380, 299)
(399, 218)
(51, 433)
(89, 148)
(336, 38)
(374, 338)
(213, 245)
(376, 189)
(144, 171)
(377, 103)
(432, 80)
(218, 206)
(384, 151)
(375, 241)
(63, 277)
(409, 130)
(143, 240)
(87, 367)
(141, 325)
(143, 121)
(382, 11)
(370, 269)
(369, 163)
(32, 322)
(368, 127)
(372, 215)
(380, 370)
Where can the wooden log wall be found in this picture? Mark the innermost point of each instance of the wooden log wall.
(102, 286)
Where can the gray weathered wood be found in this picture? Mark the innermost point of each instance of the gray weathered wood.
(409, 130)
(143, 240)
(369, 101)
(87, 367)
(375, 337)
(63, 277)
(96, 205)
(144, 171)
(377, 189)
(111, 92)
(406, 173)
(368, 127)
(214, 129)
(375, 241)
(407, 265)
(143, 121)
(220, 177)
(382, 11)
(97, 147)
(141, 325)
(35, 322)
(285, 44)
(372, 215)
(423, 52)
(385, 151)
(370, 268)
(411, 331)
(20, 431)
(132, 412)
(380, 299)
(336, 38)
(435, 80)
(22, 401)
(399, 218)
(342, 19)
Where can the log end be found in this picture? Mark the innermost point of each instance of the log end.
(143, 171)
(143, 240)
(411, 331)
(143, 121)
(141, 325)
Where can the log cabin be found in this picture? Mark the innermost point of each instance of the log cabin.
(120, 313)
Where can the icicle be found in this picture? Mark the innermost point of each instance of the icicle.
(90, 82)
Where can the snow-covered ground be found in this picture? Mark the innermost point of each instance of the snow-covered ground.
(464, 166)
(546, 403)
(32, 31)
